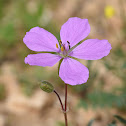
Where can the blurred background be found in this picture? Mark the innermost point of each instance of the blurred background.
(99, 102)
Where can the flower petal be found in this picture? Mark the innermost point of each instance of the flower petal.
(92, 49)
(38, 39)
(74, 30)
(72, 72)
(42, 59)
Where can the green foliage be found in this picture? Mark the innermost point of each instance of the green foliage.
(121, 119)
(113, 123)
(103, 99)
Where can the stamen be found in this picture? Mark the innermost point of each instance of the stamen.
(60, 42)
(68, 44)
(62, 49)
(56, 45)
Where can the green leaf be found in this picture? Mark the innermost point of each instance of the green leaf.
(113, 123)
(59, 65)
(122, 120)
(90, 122)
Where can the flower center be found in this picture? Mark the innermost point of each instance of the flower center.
(63, 49)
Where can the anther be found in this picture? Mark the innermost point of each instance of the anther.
(56, 45)
(60, 42)
(68, 44)
(62, 49)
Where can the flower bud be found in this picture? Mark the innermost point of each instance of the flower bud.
(46, 86)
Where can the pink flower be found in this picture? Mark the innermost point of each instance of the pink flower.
(72, 32)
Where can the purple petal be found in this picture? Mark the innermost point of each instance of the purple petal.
(92, 49)
(72, 72)
(38, 39)
(42, 59)
(74, 30)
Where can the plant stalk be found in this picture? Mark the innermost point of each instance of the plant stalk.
(59, 100)
(64, 109)
(65, 113)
